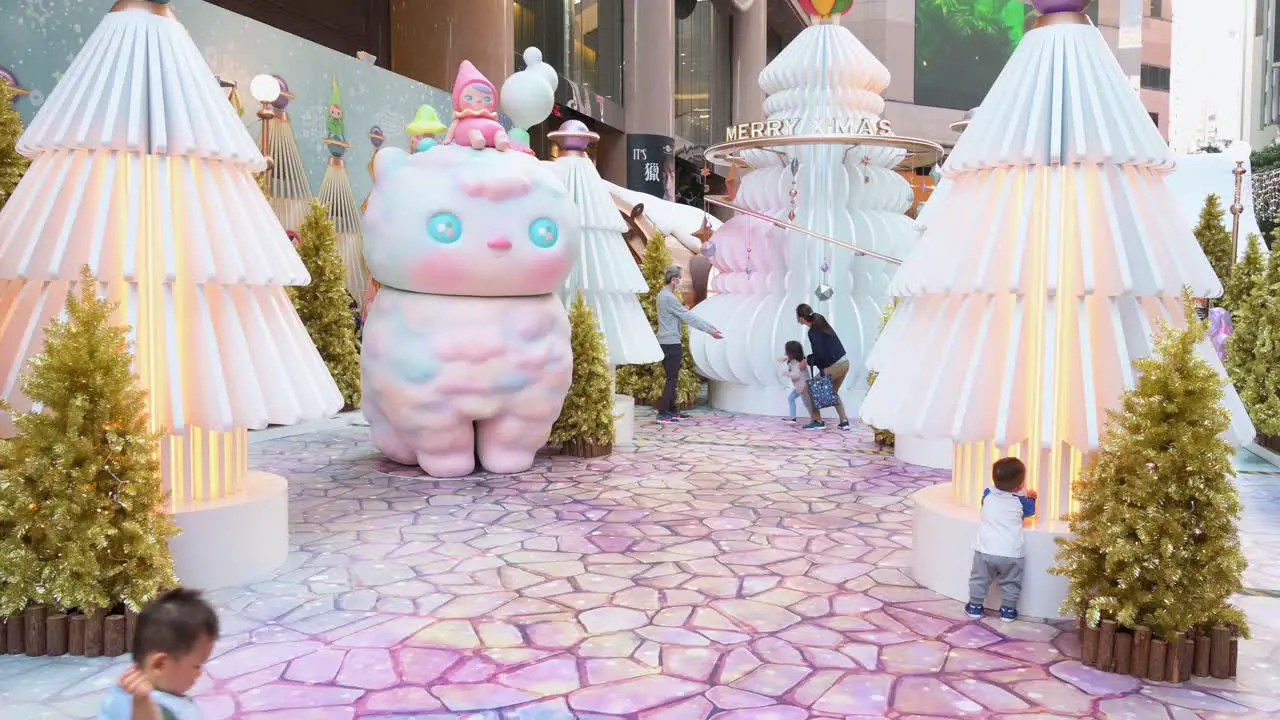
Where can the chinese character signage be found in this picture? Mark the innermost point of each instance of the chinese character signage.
(651, 165)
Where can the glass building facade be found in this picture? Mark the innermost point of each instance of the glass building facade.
(704, 74)
(580, 38)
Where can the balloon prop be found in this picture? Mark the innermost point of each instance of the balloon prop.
(826, 9)
(529, 95)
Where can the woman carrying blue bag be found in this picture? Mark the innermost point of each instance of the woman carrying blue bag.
(828, 357)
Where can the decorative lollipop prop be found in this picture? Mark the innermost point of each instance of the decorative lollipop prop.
(529, 95)
(825, 10)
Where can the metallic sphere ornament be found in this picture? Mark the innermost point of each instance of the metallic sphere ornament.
(282, 100)
(573, 136)
(824, 292)
(1049, 7)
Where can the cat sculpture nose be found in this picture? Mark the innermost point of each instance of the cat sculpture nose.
(500, 243)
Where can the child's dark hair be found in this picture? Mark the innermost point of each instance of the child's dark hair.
(794, 351)
(173, 623)
(816, 320)
(1008, 474)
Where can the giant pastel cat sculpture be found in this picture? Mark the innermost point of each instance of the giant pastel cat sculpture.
(466, 347)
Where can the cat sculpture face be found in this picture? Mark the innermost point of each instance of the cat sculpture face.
(461, 222)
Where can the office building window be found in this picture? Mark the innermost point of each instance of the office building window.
(774, 45)
(1275, 36)
(580, 38)
(1155, 77)
(1260, 18)
(1155, 9)
(704, 74)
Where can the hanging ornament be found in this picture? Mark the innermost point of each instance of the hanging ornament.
(705, 232)
(826, 9)
(824, 292)
(709, 250)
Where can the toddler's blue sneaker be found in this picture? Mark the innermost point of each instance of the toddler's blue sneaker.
(973, 610)
(814, 426)
(1008, 614)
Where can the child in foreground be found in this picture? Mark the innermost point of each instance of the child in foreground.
(173, 640)
(998, 553)
(797, 371)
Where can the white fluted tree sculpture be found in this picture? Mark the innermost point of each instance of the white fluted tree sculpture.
(142, 171)
(1042, 272)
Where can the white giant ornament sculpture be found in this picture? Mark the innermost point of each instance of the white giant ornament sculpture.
(1049, 258)
(604, 270)
(848, 192)
(142, 170)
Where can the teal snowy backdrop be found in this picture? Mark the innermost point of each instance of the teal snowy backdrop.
(39, 38)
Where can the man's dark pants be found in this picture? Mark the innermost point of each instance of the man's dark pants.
(672, 355)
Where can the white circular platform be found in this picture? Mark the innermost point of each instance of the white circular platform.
(925, 453)
(235, 540)
(765, 400)
(942, 541)
(624, 421)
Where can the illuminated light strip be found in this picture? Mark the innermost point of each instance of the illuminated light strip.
(783, 224)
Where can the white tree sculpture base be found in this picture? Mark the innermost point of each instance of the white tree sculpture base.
(624, 421)
(942, 538)
(233, 540)
(925, 453)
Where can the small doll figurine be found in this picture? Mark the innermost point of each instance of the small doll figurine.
(475, 114)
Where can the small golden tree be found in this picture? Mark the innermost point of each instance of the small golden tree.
(325, 306)
(585, 426)
(1214, 239)
(82, 524)
(12, 164)
(1246, 277)
(645, 382)
(1156, 539)
(1253, 349)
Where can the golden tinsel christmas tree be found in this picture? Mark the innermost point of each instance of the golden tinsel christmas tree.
(81, 519)
(12, 165)
(645, 382)
(585, 426)
(1253, 349)
(324, 305)
(883, 438)
(1214, 239)
(1246, 276)
(1156, 536)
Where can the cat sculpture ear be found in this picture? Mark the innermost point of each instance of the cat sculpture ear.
(388, 161)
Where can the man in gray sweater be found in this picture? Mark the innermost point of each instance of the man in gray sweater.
(671, 313)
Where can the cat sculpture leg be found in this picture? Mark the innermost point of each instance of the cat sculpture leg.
(446, 377)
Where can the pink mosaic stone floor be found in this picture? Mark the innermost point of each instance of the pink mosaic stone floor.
(730, 567)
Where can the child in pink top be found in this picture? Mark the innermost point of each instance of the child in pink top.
(797, 371)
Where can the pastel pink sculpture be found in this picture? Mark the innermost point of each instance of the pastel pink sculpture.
(1219, 330)
(466, 349)
(475, 112)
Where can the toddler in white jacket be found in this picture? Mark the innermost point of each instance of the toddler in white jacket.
(998, 553)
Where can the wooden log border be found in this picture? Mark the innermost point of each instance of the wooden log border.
(1136, 652)
(39, 631)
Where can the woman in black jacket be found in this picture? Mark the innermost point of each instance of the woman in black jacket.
(829, 357)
